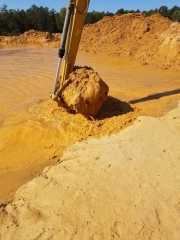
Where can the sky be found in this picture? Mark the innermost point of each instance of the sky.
(97, 5)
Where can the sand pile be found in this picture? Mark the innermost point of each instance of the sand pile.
(83, 92)
(124, 186)
(152, 40)
(32, 37)
(113, 116)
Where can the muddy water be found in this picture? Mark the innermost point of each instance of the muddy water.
(29, 143)
(130, 81)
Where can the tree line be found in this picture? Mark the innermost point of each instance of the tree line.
(16, 22)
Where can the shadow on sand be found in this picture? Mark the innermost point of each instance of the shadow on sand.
(113, 107)
(155, 96)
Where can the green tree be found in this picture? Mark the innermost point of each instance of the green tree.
(38, 18)
(13, 26)
(163, 10)
(21, 19)
(120, 11)
(60, 17)
(171, 11)
(150, 12)
(176, 16)
(95, 16)
(3, 9)
(3, 20)
(15, 22)
(52, 26)
(89, 18)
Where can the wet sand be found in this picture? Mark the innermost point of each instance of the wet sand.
(34, 131)
(123, 186)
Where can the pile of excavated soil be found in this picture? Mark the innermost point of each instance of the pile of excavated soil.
(83, 92)
(113, 116)
(151, 40)
(32, 37)
(123, 186)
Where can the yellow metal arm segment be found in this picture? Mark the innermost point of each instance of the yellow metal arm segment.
(74, 36)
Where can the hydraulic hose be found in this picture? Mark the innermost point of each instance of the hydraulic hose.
(61, 50)
(69, 12)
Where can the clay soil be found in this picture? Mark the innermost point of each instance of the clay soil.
(112, 183)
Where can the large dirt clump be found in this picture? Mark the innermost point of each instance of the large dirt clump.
(84, 92)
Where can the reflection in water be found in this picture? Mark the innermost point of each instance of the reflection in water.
(27, 77)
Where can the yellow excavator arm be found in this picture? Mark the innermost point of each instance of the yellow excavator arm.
(72, 30)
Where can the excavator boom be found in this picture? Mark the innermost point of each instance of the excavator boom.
(74, 21)
(76, 27)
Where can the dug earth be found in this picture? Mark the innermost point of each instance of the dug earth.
(83, 92)
(151, 40)
(124, 185)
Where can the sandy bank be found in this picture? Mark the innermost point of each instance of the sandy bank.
(123, 186)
